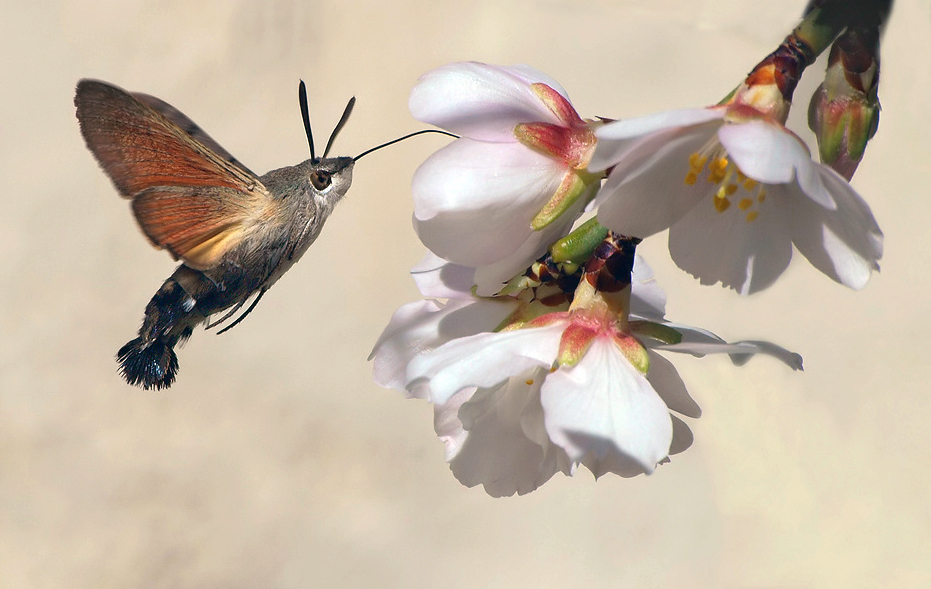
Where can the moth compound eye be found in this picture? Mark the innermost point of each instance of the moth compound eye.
(321, 179)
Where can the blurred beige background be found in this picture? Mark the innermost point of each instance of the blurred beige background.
(276, 462)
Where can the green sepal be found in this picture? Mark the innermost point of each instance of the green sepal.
(577, 247)
(657, 331)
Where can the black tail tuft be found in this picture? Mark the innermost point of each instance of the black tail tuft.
(151, 366)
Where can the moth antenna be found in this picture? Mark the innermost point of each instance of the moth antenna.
(340, 124)
(305, 114)
(408, 136)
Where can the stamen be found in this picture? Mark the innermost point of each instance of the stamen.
(721, 202)
(752, 216)
(529, 381)
(697, 162)
(761, 196)
(744, 204)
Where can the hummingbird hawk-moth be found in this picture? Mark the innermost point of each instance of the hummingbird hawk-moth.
(235, 233)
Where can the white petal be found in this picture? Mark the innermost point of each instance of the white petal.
(724, 247)
(603, 412)
(646, 191)
(531, 75)
(485, 439)
(435, 277)
(647, 299)
(446, 422)
(491, 277)
(478, 100)
(771, 154)
(699, 342)
(613, 136)
(846, 244)
(484, 359)
(424, 325)
(473, 201)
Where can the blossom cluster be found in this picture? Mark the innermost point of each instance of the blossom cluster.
(538, 340)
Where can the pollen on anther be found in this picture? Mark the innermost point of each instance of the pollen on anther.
(721, 203)
(716, 170)
(529, 381)
(749, 184)
(691, 178)
(731, 189)
(697, 162)
(744, 204)
(752, 216)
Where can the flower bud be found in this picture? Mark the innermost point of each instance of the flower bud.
(844, 111)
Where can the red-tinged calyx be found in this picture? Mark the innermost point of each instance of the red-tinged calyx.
(558, 105)
(598, 321)
(572, 146)
(575, 183)
(570, 142)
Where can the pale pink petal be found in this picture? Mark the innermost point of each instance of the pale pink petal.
(614, 138)
(646, 192)
(484, 359)
(532, 75)
(473, 201)
(435, 277)
(446, 422)
(485, 439)
(469, 175)
(725, 247)
(771, 154)
(490, 278)
(424, 325)
(647, 299)
(478, 100)
(700, 342)
(846, 244)
(604, 413)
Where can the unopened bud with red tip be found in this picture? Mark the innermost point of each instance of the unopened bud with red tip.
(844, 111)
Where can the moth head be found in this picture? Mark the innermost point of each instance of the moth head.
(330, 177)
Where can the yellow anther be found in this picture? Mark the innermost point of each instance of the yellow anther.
(761, 196)
(752, 216)
(529, 381)
(697, 162)
(717, 170)
(744, 204)
(749, 183)
(691, 178)
(721, 203)
(740, 175)
(731, 189)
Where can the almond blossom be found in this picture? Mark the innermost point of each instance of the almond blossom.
(514, 182)
(736, 188)
(529, 385)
